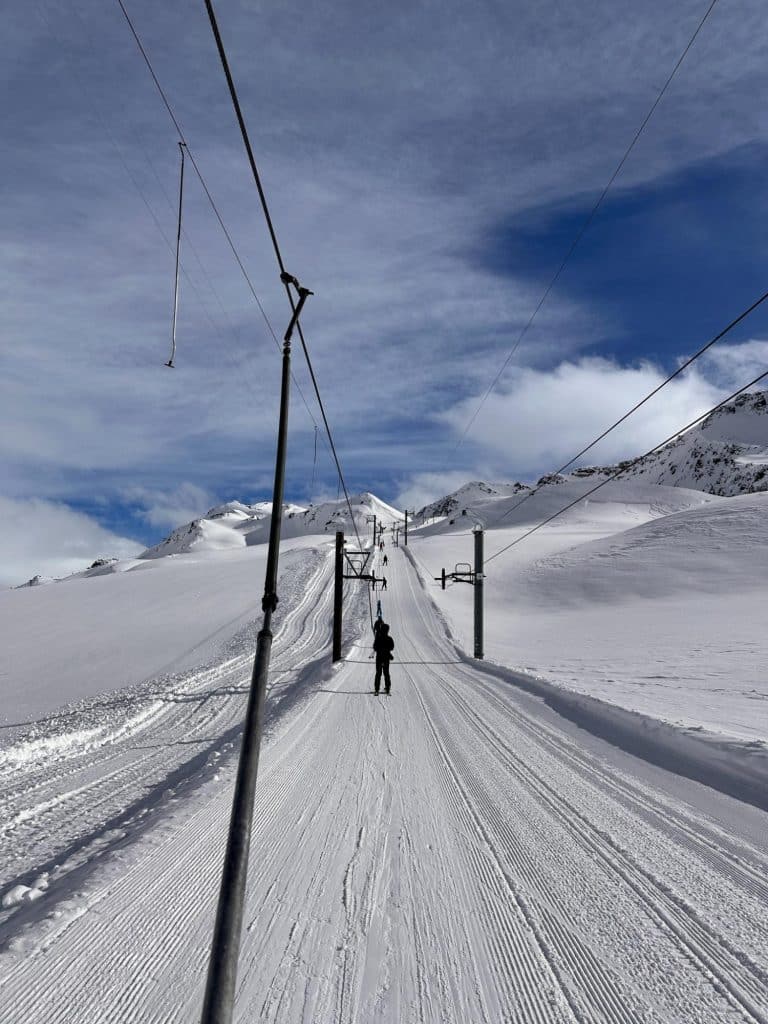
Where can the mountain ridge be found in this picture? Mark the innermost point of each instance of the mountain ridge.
(725, 455)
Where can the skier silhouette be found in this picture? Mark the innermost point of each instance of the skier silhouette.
(383, 582)
(383, 645)
(385, 559)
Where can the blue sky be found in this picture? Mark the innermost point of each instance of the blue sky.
(666, 261)
(427, 166)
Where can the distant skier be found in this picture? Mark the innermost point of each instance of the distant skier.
(385, 559)
(383, 645)
(383, 582)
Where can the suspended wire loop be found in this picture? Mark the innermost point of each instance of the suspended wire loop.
(182, 148)
(166, 103)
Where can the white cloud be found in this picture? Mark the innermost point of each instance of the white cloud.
(171, 508)
(49, 539)
(733, 365)
(422, 488)
(540, 419)
(383, 165)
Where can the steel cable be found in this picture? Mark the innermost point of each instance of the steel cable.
(619, 472)
(582, 230)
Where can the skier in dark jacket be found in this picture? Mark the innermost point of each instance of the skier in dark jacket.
(383, 645)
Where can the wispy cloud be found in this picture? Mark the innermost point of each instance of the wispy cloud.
(392, 143)
(422, 488)
(166, 509)
(539, 419)
(50, 539)
(733, 365)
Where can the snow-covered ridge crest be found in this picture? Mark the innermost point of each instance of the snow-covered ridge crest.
(468, 495)
(236, 524)
(726, 454)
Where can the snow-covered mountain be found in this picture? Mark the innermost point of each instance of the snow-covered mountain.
(468, 496)
(726, 454)
(639, 620)
(237, 525)
(36, 581)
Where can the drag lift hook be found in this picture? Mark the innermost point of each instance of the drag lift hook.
(182, 147)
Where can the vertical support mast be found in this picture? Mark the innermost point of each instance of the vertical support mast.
(225, 946)
(338, 584)
(405, 535)
(182, 147)
(478, 592)
(372, 518)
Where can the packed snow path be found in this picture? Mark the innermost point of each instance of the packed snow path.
(454, 852)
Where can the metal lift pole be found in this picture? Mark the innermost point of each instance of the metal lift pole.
(478, 592)
(225, 947)
(338, 590)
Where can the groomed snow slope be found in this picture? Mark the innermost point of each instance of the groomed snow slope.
(649, 597)
(453, 853)
(133, 620)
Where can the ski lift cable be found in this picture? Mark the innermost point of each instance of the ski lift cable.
(412, 554)
(209, 196)
(584, 227)
(623, 470)
(328, 429)
(395, 661)
(684, 366)
(284, 276)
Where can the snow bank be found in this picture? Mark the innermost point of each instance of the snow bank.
(730, 765)
(738, 769)
(661, 614)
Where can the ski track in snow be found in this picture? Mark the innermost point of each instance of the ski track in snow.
(60, 792)
(448, 854)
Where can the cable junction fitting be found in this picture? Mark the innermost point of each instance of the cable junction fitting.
(303, 293)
